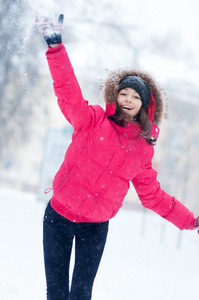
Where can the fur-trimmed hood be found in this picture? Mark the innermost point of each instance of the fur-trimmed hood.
(110, 90)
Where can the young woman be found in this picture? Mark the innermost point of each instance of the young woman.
(109, 149)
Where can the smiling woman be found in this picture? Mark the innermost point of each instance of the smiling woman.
(129, 101)
(126, 86)
(101, 161)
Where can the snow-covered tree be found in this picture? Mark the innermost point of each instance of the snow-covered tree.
(17, 76)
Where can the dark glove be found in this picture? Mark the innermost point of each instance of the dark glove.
(194, 225)
(50, 30)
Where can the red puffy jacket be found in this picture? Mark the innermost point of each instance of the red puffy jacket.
(103, 157)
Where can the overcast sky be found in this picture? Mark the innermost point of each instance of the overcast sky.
(155, 15)
(152, 17)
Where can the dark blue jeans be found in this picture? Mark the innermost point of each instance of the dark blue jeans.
(58, 234)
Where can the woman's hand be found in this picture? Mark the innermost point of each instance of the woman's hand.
(51, 30)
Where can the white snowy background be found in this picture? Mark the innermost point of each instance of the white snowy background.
(145, 257)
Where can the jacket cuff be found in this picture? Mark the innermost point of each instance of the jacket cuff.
(52, 50)
(180, 216)
(193, 224)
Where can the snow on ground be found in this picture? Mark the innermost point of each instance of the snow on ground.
(145, 256)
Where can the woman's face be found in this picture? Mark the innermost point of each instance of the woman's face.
(129, 101)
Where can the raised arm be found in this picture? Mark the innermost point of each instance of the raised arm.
(70, 99)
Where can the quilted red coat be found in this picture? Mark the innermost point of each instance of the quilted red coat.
(104, 157)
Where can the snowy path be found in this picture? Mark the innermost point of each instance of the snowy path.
(134, 266)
